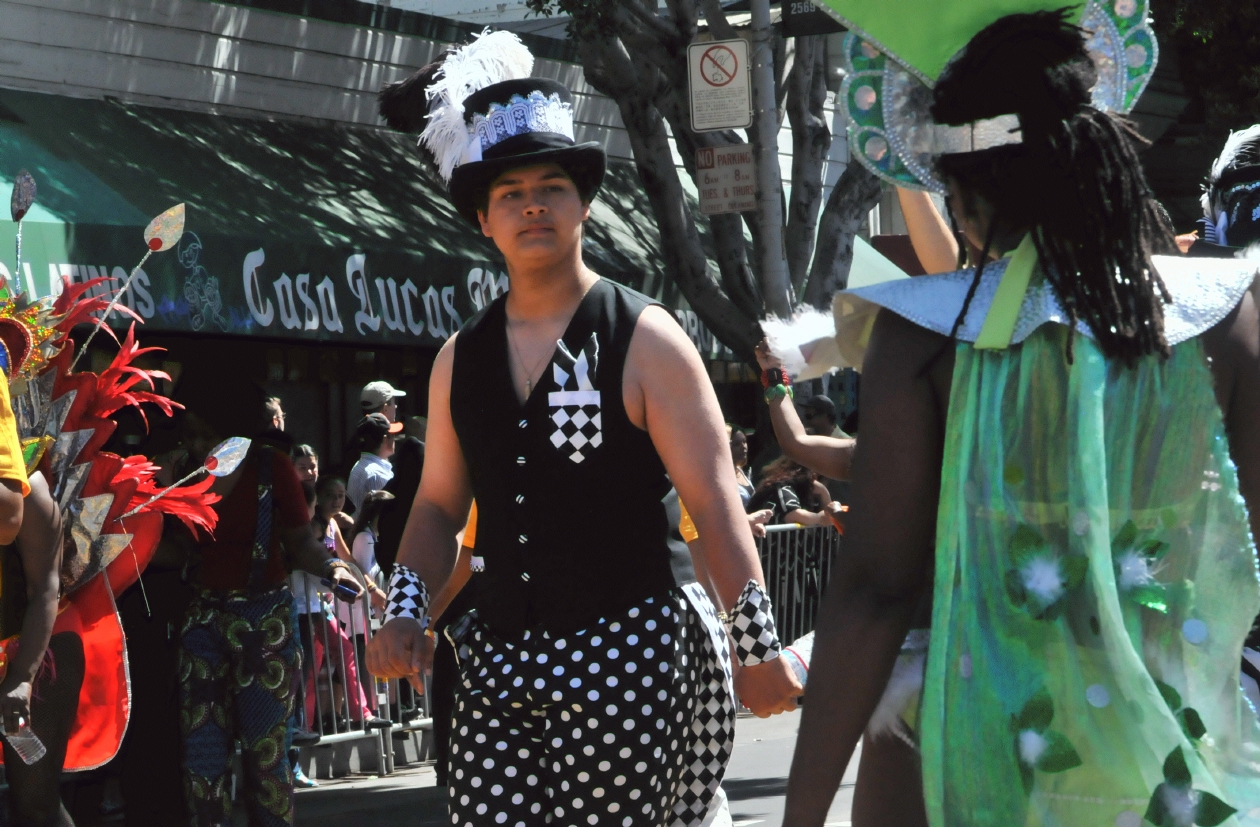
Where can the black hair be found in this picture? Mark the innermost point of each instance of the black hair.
(1075, 182)
(304, 451)
(324, 486)
(373, 505)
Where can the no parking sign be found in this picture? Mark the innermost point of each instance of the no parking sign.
(717, 72)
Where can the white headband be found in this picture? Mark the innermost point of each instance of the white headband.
(1003, 130)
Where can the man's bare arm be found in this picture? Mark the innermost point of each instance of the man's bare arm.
(667, 392)
(429, 544)
(440, 509)
(877, 583)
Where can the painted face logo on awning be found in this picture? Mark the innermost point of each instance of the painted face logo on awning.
(575, 408)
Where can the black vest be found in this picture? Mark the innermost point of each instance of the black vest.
(570, 522)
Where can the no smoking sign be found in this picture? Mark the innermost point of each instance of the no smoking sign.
(720, 93)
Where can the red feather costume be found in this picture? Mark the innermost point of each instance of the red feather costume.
(68, 415)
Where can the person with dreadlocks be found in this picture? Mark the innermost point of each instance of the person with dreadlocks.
(1060, 451)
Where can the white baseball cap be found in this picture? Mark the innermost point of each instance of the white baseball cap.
(376, 394)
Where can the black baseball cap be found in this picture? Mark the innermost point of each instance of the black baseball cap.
(376, 423)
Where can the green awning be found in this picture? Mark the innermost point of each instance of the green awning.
(294, 229)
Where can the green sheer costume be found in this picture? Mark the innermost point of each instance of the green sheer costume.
(1095, 579)
(1095, 570)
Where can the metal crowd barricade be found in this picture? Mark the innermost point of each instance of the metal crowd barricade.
(796, 561)
(340, 682)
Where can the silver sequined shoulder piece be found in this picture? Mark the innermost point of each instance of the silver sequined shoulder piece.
(1203, 292)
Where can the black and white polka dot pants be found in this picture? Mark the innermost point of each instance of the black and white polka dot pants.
(593, 728)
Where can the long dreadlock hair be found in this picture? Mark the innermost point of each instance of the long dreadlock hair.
(1075, 182)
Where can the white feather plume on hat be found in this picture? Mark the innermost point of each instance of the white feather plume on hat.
(492, 58)
(1242, 149)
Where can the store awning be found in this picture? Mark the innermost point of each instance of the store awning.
(294, 229)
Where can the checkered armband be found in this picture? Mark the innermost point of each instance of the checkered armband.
(751, 627)
(406, 596)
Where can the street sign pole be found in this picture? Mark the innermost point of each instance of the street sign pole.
(775, 282)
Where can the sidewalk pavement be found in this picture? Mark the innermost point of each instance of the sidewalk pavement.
(755, 784)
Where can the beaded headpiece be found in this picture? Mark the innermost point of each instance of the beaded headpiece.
(890, 71)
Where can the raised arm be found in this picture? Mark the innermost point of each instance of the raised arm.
(930, 235)
(877, 583)
(667, 392)
(824, 455)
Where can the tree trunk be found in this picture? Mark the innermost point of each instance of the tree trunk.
(811, 140)
(855, 194)
(610, 69)
(776, 286)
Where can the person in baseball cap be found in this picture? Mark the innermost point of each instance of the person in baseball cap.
(819, 415)
(378, 397)
(374, 436)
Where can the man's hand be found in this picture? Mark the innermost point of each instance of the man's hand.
(401, 649)
(15, 706)
(341, 576)
(768, 688)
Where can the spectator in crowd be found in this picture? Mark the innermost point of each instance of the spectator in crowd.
(275, 414)
(230, 636)
(794, 493)
(322, 636)
(379, 397)
(739, 456)
(306, 463)
(301, 736)
(374, 438)
(330, 506)
(408, 464)
(818, 413)
(363, 538)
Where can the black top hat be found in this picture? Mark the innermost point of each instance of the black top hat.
(519, 123)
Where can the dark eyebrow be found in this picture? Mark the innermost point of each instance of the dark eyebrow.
(506, 181)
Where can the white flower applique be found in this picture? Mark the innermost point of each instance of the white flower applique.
(1041, 577)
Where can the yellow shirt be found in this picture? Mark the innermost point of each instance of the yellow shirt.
(12, 463)
(685, 526)
(470, 528)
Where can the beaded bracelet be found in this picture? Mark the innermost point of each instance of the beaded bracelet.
(776, 392)
(777, 384)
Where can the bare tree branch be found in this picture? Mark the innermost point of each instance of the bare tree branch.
(634, 15)
(855, 194)
(611, 70)
(719, 26)
(811, 140)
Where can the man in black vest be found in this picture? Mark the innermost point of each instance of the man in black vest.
(592, 688)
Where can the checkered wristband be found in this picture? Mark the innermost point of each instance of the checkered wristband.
(751, 627)
(406, 596)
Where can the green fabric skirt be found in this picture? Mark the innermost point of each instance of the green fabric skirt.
(1095, 579)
